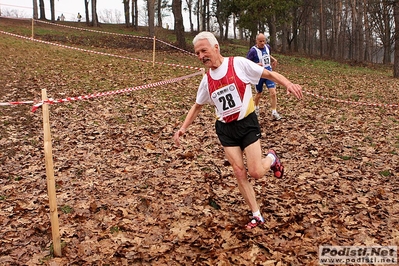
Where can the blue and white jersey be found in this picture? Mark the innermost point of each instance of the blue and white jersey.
(258, 55)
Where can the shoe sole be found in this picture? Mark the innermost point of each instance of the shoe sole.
(281, 168)
(252, 225)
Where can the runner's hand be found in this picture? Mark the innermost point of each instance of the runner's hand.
(295, 89)
(177, 135)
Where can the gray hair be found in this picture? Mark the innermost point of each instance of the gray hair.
(208, 36)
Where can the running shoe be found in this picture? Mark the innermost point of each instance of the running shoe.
(255, 221)
(276, 116)
(276, 167)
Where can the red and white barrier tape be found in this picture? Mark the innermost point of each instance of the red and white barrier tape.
(177, 48)
(114, 33)
(108, 93)
(16, 103)
(95, 52)
(349, 102)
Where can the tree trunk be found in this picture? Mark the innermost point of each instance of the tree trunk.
(35, 10)
(272, 32)
(207, 15)
(94, 18)
(126, 9)
(336, 28)
(360, 32)
(219, 18)
(87, 12)
(322, 29)
(190, 14)
(151, 17)
(343, 42)
(199, 12)
(42, 10)
(203, 15)
(135, 15)
(52, 10)
(368, 34)
(284, 38)
(396, 52)
(295, 30)
(226, 32)
(179, 26)
(159, 13)
(387, 34)
(234, 27)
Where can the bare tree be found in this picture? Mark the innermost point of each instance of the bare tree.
(368, 33)
(159, 13)
(179, 26)
(396, 52)
(336, 23)
(126, 9)
(381, 16)
(198, 12)
(94, 17)
(87, 12)
(322, 29)
(135, 13)
(42, 10)
(52, 10)
(189, 4)
(35, 10)
(203, 14)
(151, 17)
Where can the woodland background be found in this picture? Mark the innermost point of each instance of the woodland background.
(126, 195)
(363, 31)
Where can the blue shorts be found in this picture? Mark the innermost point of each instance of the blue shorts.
(269, 84)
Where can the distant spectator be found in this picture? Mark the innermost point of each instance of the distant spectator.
(79, 17)
(62, 17)
(58, 18)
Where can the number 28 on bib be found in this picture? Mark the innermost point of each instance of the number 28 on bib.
(227, 100)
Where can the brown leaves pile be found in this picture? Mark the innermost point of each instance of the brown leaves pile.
(126, 195)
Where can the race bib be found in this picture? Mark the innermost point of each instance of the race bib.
(266, 60)
(227, 100)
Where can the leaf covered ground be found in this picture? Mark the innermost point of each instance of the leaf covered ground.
(126, 195)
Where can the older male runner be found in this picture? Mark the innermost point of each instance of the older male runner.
(227, 86)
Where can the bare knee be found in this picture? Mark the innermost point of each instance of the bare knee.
(260, 170)
(240, 173)
(256, 173)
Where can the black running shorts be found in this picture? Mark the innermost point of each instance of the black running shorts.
(240, 133)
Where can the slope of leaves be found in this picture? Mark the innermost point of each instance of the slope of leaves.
(126, 195)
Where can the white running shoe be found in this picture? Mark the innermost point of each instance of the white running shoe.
(276, 116)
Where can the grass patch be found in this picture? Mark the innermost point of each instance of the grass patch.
(346, 157)
(385, 173)
(66, 209)
(114, 229)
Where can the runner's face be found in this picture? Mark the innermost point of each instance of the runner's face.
(206, 53)
(260, 42)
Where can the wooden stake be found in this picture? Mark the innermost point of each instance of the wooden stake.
(50, 177)
(33, 31)
(153, 53)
